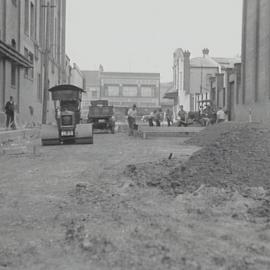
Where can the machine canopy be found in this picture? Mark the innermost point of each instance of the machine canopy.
(66, 92)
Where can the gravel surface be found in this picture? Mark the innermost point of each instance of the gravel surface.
(123, 204)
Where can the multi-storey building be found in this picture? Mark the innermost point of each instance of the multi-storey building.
(201, 70)
(199, 80)
(252, 101)
(123, 89)
(26, 27)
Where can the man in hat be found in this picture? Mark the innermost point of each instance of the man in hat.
(132, 113)
(9, 109)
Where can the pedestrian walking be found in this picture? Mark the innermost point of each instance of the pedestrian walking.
(132, 113)
(10, 110)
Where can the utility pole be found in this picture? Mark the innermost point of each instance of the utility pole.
(46, 63)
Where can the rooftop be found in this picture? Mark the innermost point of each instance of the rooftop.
(204, 61)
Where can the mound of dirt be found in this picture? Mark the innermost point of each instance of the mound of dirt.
(233, 156)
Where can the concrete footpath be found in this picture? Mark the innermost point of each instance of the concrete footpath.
(11, 135)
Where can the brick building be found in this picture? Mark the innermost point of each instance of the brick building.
(253, 99)
(22, 47)
(123, 89)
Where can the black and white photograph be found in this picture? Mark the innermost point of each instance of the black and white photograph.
(134, 134)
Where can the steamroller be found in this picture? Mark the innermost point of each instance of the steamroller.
(67, 128)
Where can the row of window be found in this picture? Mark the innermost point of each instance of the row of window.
(129, 91)
(29, 72)
(30, 14)
(30, 23)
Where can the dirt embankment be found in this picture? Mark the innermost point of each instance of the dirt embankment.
(232, 155)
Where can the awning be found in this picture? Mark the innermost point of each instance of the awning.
(14, 56)
(171, 94)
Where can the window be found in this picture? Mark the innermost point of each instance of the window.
(33, 21)
(13, 43)
(146, 91)
(13, 74)
(130, 91)
(181, 81)
(94, 94)
(39, 87)
(31, 70)
(26, 17)
(113, 90)
(26, 56)
(208, 79)
(42, 24)
(224, 97)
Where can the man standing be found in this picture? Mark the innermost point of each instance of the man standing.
(9, 109)
(182, 114)
(169, 117)
(132, 113)
(157, 117)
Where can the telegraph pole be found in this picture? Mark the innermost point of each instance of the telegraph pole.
(46, 64)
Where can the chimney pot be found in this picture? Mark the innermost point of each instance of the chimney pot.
(205, 51)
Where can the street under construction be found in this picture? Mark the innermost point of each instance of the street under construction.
(132, 203)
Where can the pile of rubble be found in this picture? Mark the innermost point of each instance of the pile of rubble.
(232, 155)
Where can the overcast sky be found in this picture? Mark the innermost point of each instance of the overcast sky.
(141, 35)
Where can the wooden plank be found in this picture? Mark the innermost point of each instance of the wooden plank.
(171, 130)
(168, 131)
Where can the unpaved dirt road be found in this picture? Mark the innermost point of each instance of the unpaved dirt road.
(97, 207)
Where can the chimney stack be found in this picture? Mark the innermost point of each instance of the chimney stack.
(205, 52)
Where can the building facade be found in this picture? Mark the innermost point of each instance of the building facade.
(202, 69)
(180, 92)
(166, 103)
(123, 89)
(92, 89)
(27, 28)
(253, 100)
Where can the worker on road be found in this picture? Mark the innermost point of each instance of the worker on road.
(183, 117)
(169, 117)
(132, 113)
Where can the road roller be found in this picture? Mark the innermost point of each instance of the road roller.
(67, 127)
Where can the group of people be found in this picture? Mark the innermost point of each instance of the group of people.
(156, 117)
(209, 116)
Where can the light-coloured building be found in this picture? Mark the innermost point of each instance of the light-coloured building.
(201, 70)
(123, 89)
(76, 76)
(22, 49)
(252, 101)
(180, 93)
(199, 80)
